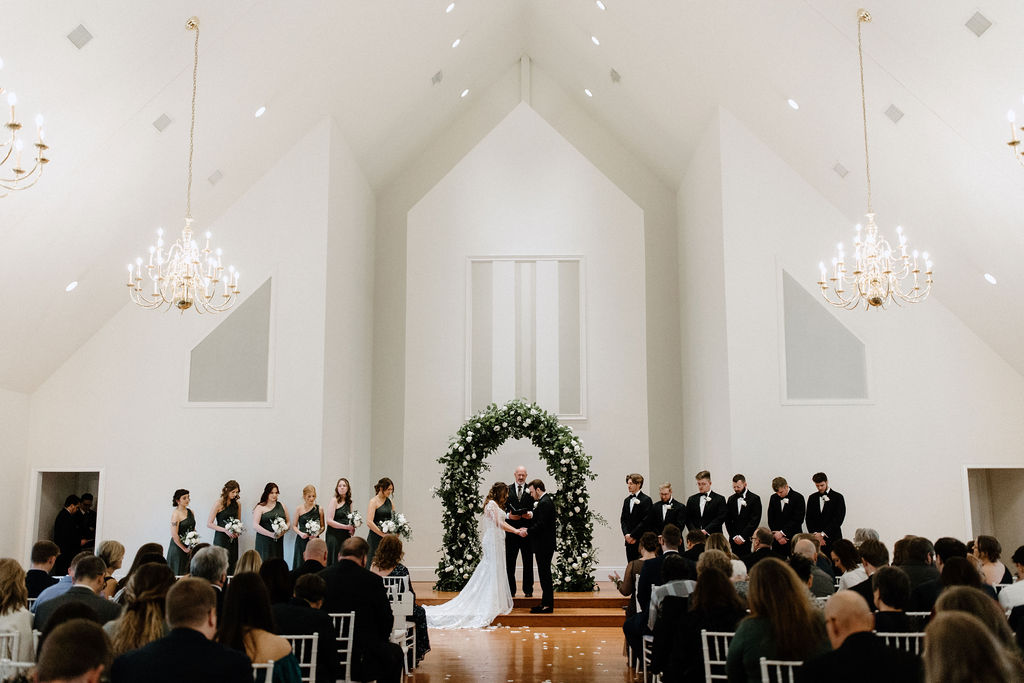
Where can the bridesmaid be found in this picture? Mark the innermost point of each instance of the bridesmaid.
(226, 507)
(339, 519)
(268, 543)
(305, 512)
(182, 522)
(377, 511)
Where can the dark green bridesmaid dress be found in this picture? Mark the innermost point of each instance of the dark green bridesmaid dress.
(335, 537)
(178, 560)
(372, 537)
(300, 542)
(222, 540)
(267, 547)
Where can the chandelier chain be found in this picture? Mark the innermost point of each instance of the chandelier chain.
(862, 17)
(192, 25)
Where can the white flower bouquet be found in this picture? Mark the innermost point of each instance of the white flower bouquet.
(399, 525)
(355, 519)
(191, 539)
(279, 526)
(234, 526)
(312, 527)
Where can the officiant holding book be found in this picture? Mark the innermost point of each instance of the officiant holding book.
(519, 503)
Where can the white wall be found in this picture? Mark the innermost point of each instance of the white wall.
(523, 190)
(14, 417)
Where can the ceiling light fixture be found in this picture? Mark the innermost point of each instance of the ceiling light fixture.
(464, 92)
(600, 6)
(990, 278)
(793, 103)
(456, 42)
(184, 275)
(587, 90)
(449, 8)
(878, 272)
(71, 285)
(594, 40)
(260, 112)
(17, 177)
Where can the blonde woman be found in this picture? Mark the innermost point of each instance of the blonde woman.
(142, 621)
(250, 561)
(112, 554)
(14, 614)
(305, 513)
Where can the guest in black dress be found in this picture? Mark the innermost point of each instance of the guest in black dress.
(388, 562)
(227, 507)
(339, 519)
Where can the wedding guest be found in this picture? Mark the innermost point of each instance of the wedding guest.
(228, 506)
(269, 543)
(720, 542)
(142, 621)
(677, 580)
(628, 583)
(309, 523)
(760, 546)
(377, 510)
(248, 626)
(388, 562)
(650, 574)
(1012, 596)
(302, 616)
(873, 556)
(981, 605)
(846, 560)
(519, 501)
(88, 582)
(87, 520)
(67, 534)
(822, 584)
(694, 545)
(147, 553)
(923, 596)
(44, 556)
(635, 508)
(211, 565)
(77, 650)
(250, 561)
(785, 515)
(705, 510)
(891, 588)
(339, 519)
(63, 614)
(742, 515)
(14, 614)
(919, 561)
(277, 579)
(112, 554)
(182, 522)
(820, 560)
(960, 571)
(314, 559)
(63, 584)
(666, 511)
(826, 511)
(959, 649)
(862, 534)
(782, 623)
(994, 572)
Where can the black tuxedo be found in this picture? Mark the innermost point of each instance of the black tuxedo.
(788, 518)
(516, 544)
(862, 657)
(307, 567)
(714, 513)
(742, 520)
(827, 519)
(632, 521)
(866, 590)
(183, 649)
(295, 618)
(350, 588)
(67, 534)
(542, 541)
(675, 514)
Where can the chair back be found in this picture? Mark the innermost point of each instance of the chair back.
(918, 620)
(647, 674)
(779, 670)
(31, 602)
(820, 602)
(399, 584)
(345, 628)
(908, 642)
(10, 668)
(716, 647)
(304, 649)
(263, 673)
(9, 645)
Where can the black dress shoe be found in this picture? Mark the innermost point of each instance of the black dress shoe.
(541, 609)
(527, 595)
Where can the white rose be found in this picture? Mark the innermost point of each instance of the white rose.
(565, 449)
(586, 555)
(577, 508)
(468, 439)
(469, 556)
(478, 425)
(504, 424)
(462, 449)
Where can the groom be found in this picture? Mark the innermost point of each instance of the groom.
(542, 540)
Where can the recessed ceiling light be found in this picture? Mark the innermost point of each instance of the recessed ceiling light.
(594, 40)
(74, 283)
(80, 36)
(456, 42)
(978, 24)
(162, 122)
(464, 92)
(600, 5)
(988, 276)
(215, 177)
(840, 170)
(587, 90)
(894, 113)
(436, 78)
(449, 8)
(793, 103)
(260, 112)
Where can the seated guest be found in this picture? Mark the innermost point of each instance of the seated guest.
(802, 567)
(650, 574)
(919, 561)
(44, 555)
(77, 651)
(627, 585)
(960, 571)
(720, 542)
(847, 563)
(211, 564)
(353, 588)
(314, 559)
(857, 654)
(822, 584)
(302, 616)
(188, 651)
(676, 581)
(782, 623)
(387, 561)
(112, 554)
(861, 535)
(64, 614)
(89, 580)
(63, 584)
(1011, 596)
(250, 561)
(994, 572)
(694, 545)
(873, 556)
(891, 587)
(923, 596)
(821, 561)
(14, 614)
(142, 621)
(146, 554)
(248, 626)
(974, 601)
(959, 649)
(277, 579)
(760, 547)
(899, 551)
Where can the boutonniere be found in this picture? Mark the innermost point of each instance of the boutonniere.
(535, 503)
(743, 502)
(784, 501)
(825, 498)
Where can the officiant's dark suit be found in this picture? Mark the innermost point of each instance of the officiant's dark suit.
(663, 512)
(711, 520)
(826, 518)
(787, 518)
(542, 540)
(633, 520)
(742, 519)
(516, 544)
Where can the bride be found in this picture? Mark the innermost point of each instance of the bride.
(487, 594)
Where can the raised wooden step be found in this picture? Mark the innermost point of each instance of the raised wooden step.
(578, 617)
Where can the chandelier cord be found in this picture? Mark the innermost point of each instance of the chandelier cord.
(862, 17)
(192, 25)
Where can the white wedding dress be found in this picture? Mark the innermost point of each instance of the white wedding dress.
(487, 594)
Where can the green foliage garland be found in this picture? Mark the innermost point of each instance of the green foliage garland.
(464, 465)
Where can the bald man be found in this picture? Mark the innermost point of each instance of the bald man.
(822, 585)
(857, 655)
(314, 559)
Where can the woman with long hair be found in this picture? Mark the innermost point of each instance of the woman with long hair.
(718, 541)
(958, 648)
(250, 561)
(182, 522)
(277, 579)
(147, 553)
(782, 624)
(307, 511)
(388, 562)
(112, 554)
(14, 614)
(269, 543)
(975, 601)
(247, 625)
(339, 519)
(228, 506)
(142, 621)
(377, 510)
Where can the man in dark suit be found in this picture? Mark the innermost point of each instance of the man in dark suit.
(694, 546)
(873, 555)
(542, 541)
(919, 561)
(76, 650)
(742, 515)
(191, 612)
(634, 513)
(519, 501)
(87, 521)
(67, 534)
(650, 572)
(760, 547)
(785, 515)
(666, 511)
(892, 595)
(85, 588)
(924, 595)
(302, 616)
(826, 510)
(705, 510)
(211, 564)
(314, 559)
(37, 579)
(353, 588)
(857, 654)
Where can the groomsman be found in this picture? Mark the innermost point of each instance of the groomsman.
(742, 516)
(519, 500)
(705, 510)
(826, 510)
(634, 512)
(666, 511)
(785, 515)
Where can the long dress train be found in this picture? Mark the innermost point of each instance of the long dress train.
(487, 594)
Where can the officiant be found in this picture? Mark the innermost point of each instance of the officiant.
(520, 502)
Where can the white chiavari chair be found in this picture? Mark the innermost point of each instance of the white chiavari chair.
(716, 647)
(778, 670)
(404, 634)
(908, 642)
(31, 601)
(9, 645)
(647, 675)
(344, 627)
(10, 668)
(919, 620)
(263, 673)
(820, 602)
(304, 648)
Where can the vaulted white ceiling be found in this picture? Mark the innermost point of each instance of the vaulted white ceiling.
(943, 171)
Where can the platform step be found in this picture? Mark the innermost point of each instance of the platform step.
(571, 601)
(575, 617)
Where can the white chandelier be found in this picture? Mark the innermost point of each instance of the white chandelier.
(879, 273)
(16, 176)
(184, 275)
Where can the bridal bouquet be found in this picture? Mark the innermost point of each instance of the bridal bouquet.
(312, 527)
(279, 526)
(355, 519)
(190, 539)
(234, 526)
(397, 525)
